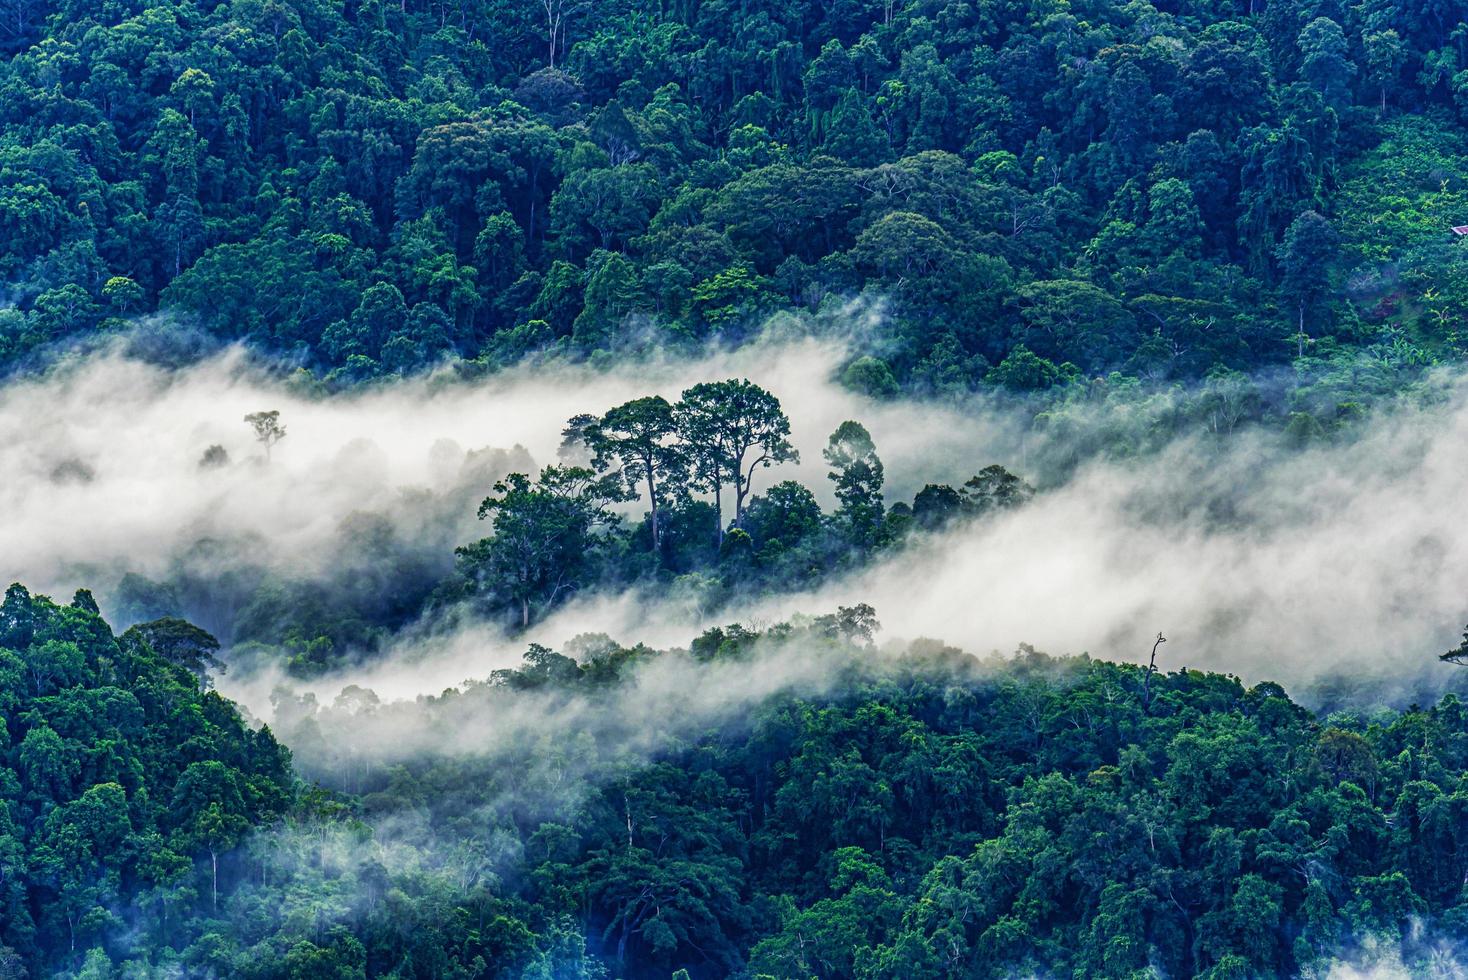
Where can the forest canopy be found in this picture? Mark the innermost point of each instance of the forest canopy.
(1210, 239)
(1033, 191)
(777, 803)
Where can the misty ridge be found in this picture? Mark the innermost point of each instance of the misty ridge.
(1255, 545)
(1327, 561)
(488, 785)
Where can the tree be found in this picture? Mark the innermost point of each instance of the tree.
(611, 293)
(730, 429)
(1325, 63)
(1149, 672)
(268, 430)
(1068, 318)
(544, 543)
(903, 246)
(210, 810)
(17, 617)
(857, 472)
(851, 135)
(1174, 223)
(641, 436)
(194, 90)
(871, 377)
(603, 206)
(993, 489)
(1024, 370)
(558, 14)
(123, 294)
(1386, 53)
(380, 312)
(1278, 177)
(851, 624)
(1459, 654)
(1306, 257)
(499, 252)
(787, 514)
(181, 643)
(935, 505)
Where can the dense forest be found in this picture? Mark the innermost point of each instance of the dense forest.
(1212, 235)
(640, 813)
(1033, 192)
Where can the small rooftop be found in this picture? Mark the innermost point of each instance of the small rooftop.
(1460, 230)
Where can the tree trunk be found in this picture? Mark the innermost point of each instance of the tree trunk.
(652, 496)
(741, 490)
(214, 883)
(738, 494)
(719, 513)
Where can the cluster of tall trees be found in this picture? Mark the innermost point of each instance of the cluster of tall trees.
(374, 186)
(928, 814)
(648, 495)
(561, 532)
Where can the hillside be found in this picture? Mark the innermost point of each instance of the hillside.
(627, 812)
(367, 188)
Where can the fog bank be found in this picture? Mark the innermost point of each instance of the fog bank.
(1254, 555)
(102, 456)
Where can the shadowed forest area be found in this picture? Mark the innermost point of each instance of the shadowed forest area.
(631, 812)
(1039, 192)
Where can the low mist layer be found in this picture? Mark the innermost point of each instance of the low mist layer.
(103, 457)
(1251, 552)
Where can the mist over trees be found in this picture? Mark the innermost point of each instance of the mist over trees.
(785, 802)
(1192, 239)
(560, 534)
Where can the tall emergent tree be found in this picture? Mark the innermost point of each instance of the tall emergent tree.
(730, 429)
(857, 472)
(641, 436)
(1306, 257)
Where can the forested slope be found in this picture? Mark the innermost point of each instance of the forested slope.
(1163, 189)
(786, 804)
(1112, 236)
(124, 783)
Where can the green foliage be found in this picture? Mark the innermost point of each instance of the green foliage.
(935, 815)
(1074, 207)
(543, 547)
(124, 784)
(930, 814)
(557, 536)
(372, 191)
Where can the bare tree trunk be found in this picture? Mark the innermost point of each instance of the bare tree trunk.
(652, 497)
(719, 512)
(1147, 677)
